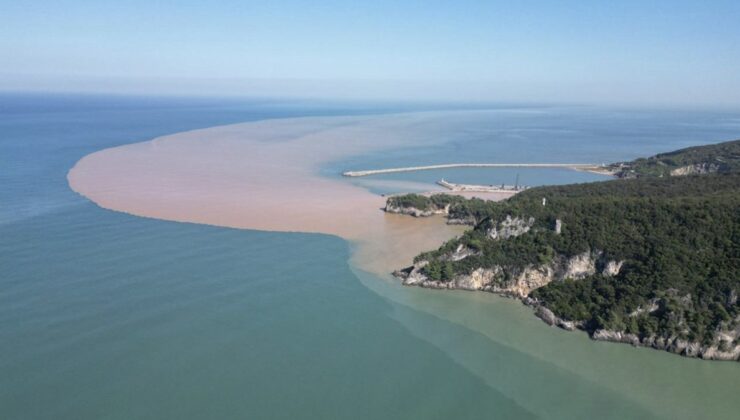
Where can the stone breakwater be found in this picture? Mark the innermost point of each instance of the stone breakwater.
(574, 166)
(481, 188)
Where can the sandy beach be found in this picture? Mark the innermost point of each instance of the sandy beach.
(265, 176)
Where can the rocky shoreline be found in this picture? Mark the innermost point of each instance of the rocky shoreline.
(433, 210)
(521, 283)
(468, 265)
(415, 212)
(530, 279)
(670, 344)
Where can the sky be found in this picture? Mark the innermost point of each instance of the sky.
(641, 52)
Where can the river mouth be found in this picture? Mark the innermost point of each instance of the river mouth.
(265, 176)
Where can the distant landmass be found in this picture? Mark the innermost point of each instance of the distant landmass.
(651, 260)
(713, 158)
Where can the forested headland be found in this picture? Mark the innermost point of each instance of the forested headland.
(651, 260)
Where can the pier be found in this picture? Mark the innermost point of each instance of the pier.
(575, 166)
(481, 188)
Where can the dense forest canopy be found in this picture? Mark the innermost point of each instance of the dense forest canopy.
(677, 238)
(713, 158)
(422, 202)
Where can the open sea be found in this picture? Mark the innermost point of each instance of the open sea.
(104, 315)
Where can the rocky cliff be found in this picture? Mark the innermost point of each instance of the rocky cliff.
(509, 280)
(417, 212)
(418, 205)
(650, 261)
(713, 158)
(520, 281)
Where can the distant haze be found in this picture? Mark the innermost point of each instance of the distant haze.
(657, 52)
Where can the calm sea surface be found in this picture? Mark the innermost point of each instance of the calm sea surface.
(105, 315)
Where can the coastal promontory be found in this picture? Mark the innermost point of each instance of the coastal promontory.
(652, 260)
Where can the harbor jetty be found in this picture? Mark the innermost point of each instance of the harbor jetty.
(481, 188)
(575, 166)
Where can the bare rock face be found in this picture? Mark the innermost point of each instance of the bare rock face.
(415, 212)
(534, 277)
(580, 266)
(519, 283)
(650, 308)
(558, 226)
(469, 221)
(612, 268)
(511, 227)
(713, 353)
(568, 325)
(478, 279)
(550, 318)
(529, 279)
(722, 350)
(522, 283)
(546, 315)
(461, 252)
(698, 168)
(616, 336)
(412, 276)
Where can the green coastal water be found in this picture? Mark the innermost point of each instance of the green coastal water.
(105, 315)
(557, 374)
(216, 322)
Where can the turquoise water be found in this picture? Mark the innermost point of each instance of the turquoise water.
(545, 135)
(113, 316)
(105, 315)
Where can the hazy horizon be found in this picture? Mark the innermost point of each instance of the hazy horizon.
(680, 53)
